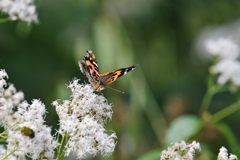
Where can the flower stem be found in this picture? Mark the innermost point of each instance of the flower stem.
(212, 89)
(3, 135)
(3, 20)
(63, 151)
(206, 100)
(226, 112)
(64, 138)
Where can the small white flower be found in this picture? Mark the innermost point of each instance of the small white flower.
(228, 70)
(181, 151)
(3, 74)
(223, 155)
(3, 83)
(83, 118)
(9, 100)
(224, 48)
(5, 153)
(23, 10)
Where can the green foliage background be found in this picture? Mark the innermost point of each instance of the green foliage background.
(158, 35)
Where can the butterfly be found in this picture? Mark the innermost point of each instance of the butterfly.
(89, 68)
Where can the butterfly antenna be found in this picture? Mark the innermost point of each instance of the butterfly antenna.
(115, 90)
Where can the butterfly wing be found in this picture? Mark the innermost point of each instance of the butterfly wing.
(109, 77)
(91, 65)
(89, 68)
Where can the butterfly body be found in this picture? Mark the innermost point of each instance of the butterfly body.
(89, 68)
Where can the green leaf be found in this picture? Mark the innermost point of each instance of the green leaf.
(183, 128)
(152, 155)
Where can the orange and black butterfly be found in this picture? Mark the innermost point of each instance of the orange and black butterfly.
(89, 68)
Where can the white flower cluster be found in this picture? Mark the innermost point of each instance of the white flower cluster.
(23, 10)
(223, 155)
(181, 151)
(228, 65)
(83, 118)
(224, 48)
(27, 135)
(184, 151)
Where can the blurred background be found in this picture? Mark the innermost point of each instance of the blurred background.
(161, 36)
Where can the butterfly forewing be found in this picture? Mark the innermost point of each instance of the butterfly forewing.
(110, 77)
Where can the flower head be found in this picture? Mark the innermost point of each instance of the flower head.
(83, 118)
(31, 135)
(227, 66)
(228, 71)
(223, 155)
(224, 48)
(10, 99)
(23, 10)
(24, 124)
(181, 151)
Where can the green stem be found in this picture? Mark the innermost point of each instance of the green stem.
(3, 135)
(211, 91)
(61, 145)
(3, 20)
(226, 112)
(63, 151)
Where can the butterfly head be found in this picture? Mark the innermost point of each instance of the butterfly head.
(90, 55)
